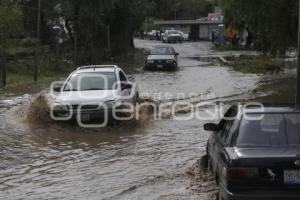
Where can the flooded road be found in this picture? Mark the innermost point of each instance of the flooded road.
(144, 160)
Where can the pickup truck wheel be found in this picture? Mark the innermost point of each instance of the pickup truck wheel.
(113, 123)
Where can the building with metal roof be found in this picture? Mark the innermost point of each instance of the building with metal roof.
(198, 29)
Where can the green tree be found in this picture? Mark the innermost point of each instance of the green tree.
(11, 25)
(11, 21)
(273, 23)
(181, 9)
(90, 24)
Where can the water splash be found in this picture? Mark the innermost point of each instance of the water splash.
(202, 181)
(39, 111)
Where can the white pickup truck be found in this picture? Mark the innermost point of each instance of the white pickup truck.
(91, 92)
(172, 36)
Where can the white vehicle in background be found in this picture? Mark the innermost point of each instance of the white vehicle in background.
(154, 35)
(172, 36)
(185, 36)
(94, 92)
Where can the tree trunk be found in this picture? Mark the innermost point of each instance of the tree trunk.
(3, 70)
(36, 66)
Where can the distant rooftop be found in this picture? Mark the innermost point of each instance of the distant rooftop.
(181, 22)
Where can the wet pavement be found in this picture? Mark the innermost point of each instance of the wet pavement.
(143, 160)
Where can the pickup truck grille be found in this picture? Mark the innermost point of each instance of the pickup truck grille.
(85, 107)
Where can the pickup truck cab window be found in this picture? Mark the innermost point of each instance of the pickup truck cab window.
(91, 81)
(122, 77)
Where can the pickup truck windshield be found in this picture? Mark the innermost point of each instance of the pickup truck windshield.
(91, 81)
(271, 130)
(173, 32)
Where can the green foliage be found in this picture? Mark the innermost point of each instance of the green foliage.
(181, 9)
(88, 24)
(227, 47)
(19, 51)
(254, 64)
(151, 26)
(22, 71)
(10, 21)
(273, 23)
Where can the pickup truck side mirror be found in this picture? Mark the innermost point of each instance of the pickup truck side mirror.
(126, 86)
(211, 127)
(176, 54)
(57, 89)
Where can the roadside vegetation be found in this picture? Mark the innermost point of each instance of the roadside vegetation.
(273, 32)
(228, 47)
(257, 64)
(48, 41)
(278, 91)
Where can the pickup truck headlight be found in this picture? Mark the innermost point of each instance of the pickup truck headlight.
(61, 107)
(150, 61)
(110, 104)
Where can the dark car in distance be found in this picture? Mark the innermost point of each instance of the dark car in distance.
(164, 57)
(254, 154)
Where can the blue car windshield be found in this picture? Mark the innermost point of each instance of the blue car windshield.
(269, 130)
(91, 81)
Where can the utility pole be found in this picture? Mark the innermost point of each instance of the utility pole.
(36, 67)
(298, 69)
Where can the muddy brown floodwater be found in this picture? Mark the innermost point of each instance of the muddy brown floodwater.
(144, 160)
